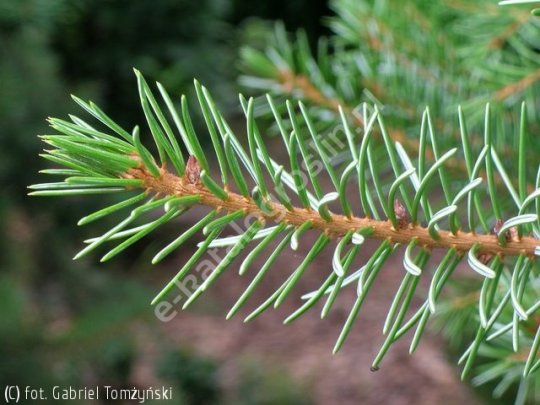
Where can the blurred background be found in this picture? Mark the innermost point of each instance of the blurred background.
(85, 323)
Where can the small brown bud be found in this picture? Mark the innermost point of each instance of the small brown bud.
(485, 258)
(497, 227)
(193, 170)
(401, 214)
(513, 234)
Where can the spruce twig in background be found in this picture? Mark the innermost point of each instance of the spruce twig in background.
(422, 193)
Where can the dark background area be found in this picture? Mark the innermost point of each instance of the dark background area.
(84, 323)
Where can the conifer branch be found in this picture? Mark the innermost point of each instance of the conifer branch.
(394, 179)
(96, 162)
(335, 226)
(517, 87)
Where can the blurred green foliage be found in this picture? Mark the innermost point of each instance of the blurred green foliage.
(257, 383)
(293, 13)
(172, 41)
(30, 85)
(194, 376)
(268, 386)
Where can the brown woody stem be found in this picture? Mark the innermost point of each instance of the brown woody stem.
(338, 225)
